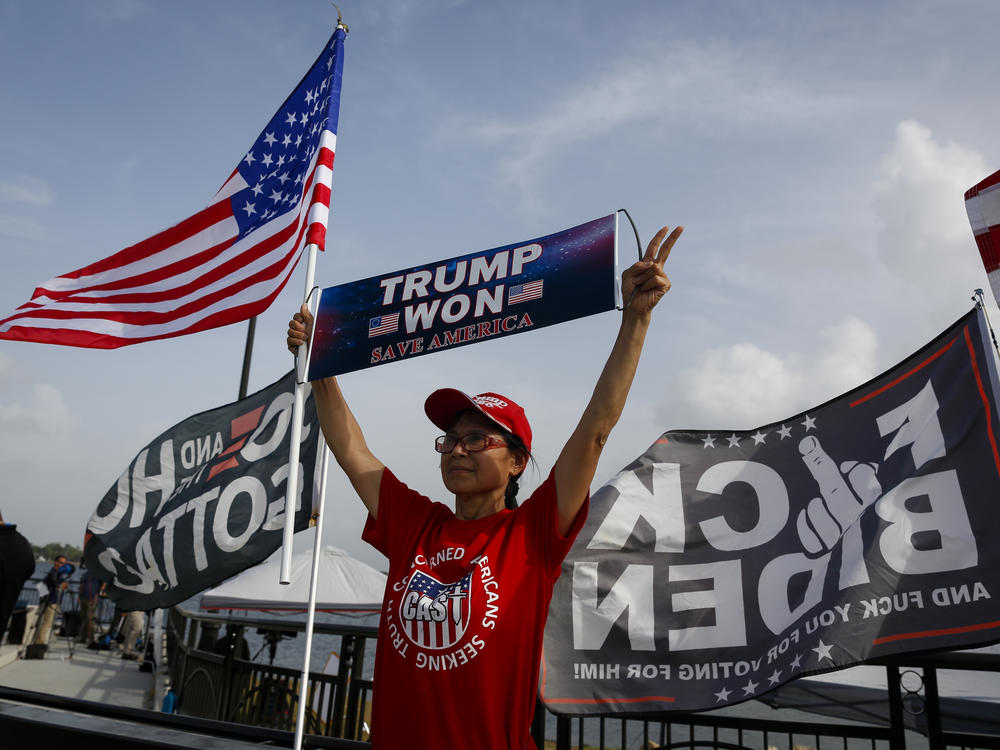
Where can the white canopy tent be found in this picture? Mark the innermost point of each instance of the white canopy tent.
(344, 584)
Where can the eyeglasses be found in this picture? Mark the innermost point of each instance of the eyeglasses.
(473, 442)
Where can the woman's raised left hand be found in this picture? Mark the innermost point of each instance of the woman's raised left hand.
(645, 282)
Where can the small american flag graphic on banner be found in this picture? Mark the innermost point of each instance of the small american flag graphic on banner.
(524, 292)
(383, 324)
(435, 614)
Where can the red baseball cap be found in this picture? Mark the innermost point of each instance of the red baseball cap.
(445, 404)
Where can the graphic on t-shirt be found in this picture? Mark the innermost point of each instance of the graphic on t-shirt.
(435, 614)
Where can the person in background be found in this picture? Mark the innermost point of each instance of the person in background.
(17, 563)
(131, 631)
(56, 582)
(90, 589)
(226, 645)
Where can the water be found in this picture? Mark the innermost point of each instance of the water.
(290, 652)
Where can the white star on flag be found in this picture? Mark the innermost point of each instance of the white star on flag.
(823, 651)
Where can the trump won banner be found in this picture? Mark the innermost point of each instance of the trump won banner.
(720, 565)
(469, 298)
(203, 501)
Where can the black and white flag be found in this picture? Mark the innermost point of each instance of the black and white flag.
(720, 565)
(203, 501)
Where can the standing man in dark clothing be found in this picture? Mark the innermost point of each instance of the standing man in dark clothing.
(17, 563)
(91, 588)
(56, 581)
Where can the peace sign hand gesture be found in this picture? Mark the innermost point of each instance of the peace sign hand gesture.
(645, 283)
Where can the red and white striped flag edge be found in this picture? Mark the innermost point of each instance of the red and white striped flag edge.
(200, 273)
(982, 203)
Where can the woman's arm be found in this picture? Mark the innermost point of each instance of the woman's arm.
(643, 285)
(340, 428)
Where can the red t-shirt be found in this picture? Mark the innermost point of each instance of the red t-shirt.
(465, 604)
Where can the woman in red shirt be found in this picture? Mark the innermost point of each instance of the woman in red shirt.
(468, 589)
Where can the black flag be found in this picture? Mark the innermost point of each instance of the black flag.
(203, 501)
(720, 565)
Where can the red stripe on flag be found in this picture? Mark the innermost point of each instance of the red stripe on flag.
(149, 278)
(993, 179)
(94, 340)
(325, 158)
(316, 235)
(235, 447)
(321, 194)
(149, 317)
(246, 422)
(153, 245)
(988, 243)
(936, 633)
(987, 407)
(905, 375)
(229, 463)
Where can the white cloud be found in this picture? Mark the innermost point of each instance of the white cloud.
(21, 228)
(28, 191)
(398, 16)
(925, 236)
(45, 413)
(119, 11)
(849, 357)
(743, 386)
(712, 86)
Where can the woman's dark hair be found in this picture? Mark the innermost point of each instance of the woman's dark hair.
(515, 445)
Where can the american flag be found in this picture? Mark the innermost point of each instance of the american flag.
(982, 203)
(424, 630)
(383, 324)
(524, 292)
(226, 263)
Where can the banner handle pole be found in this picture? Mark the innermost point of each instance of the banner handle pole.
(981, 304)
(298, 407)
(300, 721)
(247, 354)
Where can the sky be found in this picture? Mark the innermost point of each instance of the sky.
(817, 155)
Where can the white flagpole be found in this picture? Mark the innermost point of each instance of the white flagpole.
(300, 721)
(319, 213)
(298, 406)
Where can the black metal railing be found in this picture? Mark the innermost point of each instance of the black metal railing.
(703, 731)
(229, 687)
(224, 686)
(899, 723)
(69, 602)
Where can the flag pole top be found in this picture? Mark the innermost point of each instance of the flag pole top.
(340, 20)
